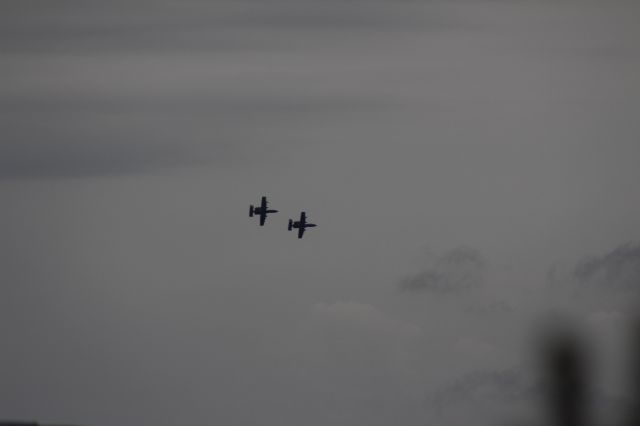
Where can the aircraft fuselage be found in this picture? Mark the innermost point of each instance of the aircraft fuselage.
(297, 225)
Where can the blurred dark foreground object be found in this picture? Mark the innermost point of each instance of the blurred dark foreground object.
(566, 368)
(633, 413)
(565, 364)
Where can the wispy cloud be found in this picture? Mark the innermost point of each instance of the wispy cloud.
(617, 270)
(457, 270)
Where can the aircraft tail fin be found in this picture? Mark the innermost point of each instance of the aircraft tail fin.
(290, 225)
(250, 210)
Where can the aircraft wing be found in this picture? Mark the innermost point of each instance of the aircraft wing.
(300, 231)
(263, 216)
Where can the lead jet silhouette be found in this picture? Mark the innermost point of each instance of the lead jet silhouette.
(262, 210)
(301, 224)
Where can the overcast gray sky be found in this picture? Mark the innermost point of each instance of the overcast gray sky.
(472, 166)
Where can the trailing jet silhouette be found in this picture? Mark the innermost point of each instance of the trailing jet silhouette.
(262, 210)
(301, 224)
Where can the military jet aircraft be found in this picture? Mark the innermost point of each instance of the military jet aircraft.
(262, 210)
(301, 224)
